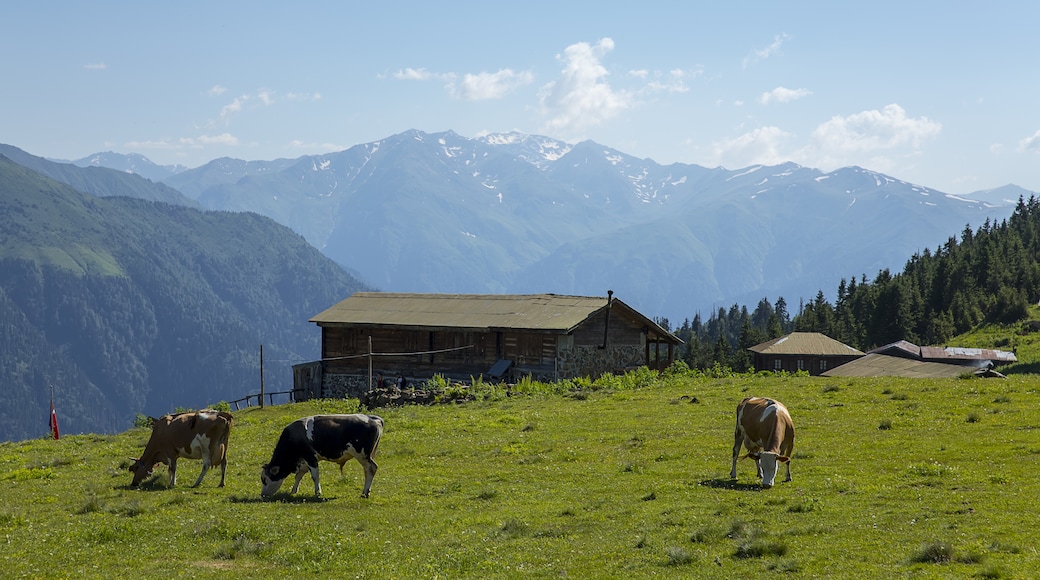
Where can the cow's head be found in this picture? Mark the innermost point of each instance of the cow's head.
(271, 479)
(141, 471)
(768, 463)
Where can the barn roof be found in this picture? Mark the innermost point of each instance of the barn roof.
(805, 343)
(479, 312)
(883, 365)
(947, 354)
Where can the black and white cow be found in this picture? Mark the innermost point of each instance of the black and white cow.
(335, 438)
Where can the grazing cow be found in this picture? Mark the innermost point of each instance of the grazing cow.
(335, 438)
(192, 435)
(765, 427)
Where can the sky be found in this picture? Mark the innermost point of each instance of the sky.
(947, 98)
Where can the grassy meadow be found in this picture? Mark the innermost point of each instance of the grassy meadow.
(893, 478)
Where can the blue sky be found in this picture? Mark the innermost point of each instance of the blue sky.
(946, 98)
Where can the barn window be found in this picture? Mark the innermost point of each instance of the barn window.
(801, 365)
(776, 365)
(823, 364)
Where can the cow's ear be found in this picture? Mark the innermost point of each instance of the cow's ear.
(272, 470)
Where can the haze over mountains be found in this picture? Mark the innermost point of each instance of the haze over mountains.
(519, 213)
(127, 306)
(144, 305)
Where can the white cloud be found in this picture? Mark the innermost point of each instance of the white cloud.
(320, 147)
(674, 81)
(161, 144)
(783, 95)
(95, 66)
(482, 86)
(874, 130)
(303, 97)
(1030, 143)
(216, 91)
(233, 107)
(222, 139)
(883, 140)
(581, 97)
(762, 146)
(414, 74)
(760, 54)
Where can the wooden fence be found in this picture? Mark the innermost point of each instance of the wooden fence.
(260, 398)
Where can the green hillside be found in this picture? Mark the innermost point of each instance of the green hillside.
(892, 479)
(127, 306)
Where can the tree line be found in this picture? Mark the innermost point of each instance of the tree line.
(990, 275)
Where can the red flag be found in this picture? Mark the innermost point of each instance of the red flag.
(54, 421)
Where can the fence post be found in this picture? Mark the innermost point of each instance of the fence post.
(261, 376)
(370, 362)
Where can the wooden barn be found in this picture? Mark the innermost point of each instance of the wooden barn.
(812, 352)
(495, 337)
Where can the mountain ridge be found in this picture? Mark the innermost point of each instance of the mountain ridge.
(127, 305)
(511, 212)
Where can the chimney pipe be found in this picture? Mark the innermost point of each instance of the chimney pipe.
(606, 324)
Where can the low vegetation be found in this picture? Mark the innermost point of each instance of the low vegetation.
(626, 477)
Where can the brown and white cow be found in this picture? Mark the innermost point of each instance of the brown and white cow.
(335, 438)
(765, 428)
(193, 435)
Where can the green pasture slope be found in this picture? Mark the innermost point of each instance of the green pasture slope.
(893, 478)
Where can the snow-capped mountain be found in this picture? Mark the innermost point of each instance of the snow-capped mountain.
(523, 213)
(130, 163)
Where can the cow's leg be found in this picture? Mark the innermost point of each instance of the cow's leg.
(300, 472)
(738, 438)
(788, 464)
(317, 483)
(370, 474)
(205, 468)
(223, 470)
(173, 471)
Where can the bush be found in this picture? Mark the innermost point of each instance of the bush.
(933, 553)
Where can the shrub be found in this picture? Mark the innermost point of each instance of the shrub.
(933, 553)
(884, 425)
(677, 556)
(758, 548)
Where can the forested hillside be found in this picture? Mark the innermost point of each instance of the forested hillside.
(128, 306)
(989, 275)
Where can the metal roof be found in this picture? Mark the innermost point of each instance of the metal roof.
(883, 365)
(805, 343)
(967, 354)
(535, 312)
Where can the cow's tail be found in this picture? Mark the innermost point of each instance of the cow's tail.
(379, 435)
(227, 432)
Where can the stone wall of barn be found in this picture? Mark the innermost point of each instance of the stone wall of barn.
(592, 361)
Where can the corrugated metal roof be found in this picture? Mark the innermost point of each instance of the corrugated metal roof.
(898, 348)
(967, 354)
(883, 365)
(806, 343)
(537, 312)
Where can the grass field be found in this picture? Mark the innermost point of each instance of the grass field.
(893, 478)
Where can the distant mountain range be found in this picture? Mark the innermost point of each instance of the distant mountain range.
(128, 163)
(126, 305)
(521, 213)
(127, 296)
